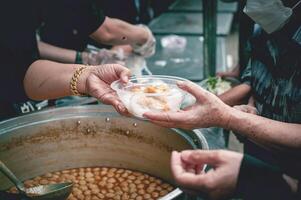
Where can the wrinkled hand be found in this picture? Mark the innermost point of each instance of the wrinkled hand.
(218, 183)
(96, 82)
(149, 47)
(208, 111)
(247, 109)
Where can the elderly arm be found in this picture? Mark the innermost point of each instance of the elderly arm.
(211, 111)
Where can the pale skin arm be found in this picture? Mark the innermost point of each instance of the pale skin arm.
(209, 111)
(117, 32)
(58, 54)
(49, 80)
(236, 95)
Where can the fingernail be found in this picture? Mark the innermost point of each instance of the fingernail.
(120, 108)
(180, 83)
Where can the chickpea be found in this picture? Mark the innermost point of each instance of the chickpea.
(100, 195)
(102, 173)
(150, 189)
(112, 170)
(102, 183)
(125, 197)
(103, 191)
(155, 195)
(110, 185)
(132, 177)
(90, 180)
(96, 169)
(89, 175)
(48, 175)
(43, 182)
(95, 191)
(170, 188)
(87, 192)
(80, 197)
(163, 192)
(141, 191)
(139, 198)
(110, 174)
(111, 180)
(110, 195)
(147, 196)
(140, 186)
(119, 171)
(83, 187)
(82, 182)
(134, 195)
(95, 198)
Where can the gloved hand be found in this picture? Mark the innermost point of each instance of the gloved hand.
(104, 56)
(271, 15)
(149, 47)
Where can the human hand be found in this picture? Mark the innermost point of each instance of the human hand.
(149, 47)
(208, 111)
(96, 81)
(218, 183)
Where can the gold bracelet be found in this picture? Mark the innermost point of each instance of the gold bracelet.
(74, 81)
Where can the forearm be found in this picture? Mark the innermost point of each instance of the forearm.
(236, 95)
(267, 132)
(117, 32)
(49, 80)
(50, 52)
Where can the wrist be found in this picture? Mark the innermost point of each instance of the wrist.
(226, 117)
(85, 58)
(82, 80)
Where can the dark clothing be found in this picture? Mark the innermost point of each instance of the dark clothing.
(274, 73)
(18, 45)
(261, 181)
(68, 23)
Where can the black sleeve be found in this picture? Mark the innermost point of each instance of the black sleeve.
(258, 180)
(68, 23)
(18, 48)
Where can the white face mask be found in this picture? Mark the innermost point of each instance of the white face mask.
(271, 15)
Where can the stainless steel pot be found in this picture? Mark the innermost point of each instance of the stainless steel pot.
(73, 137)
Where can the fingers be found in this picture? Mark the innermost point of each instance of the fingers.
(124, 76)
(110, 97)
(201, 157)
(199, 93)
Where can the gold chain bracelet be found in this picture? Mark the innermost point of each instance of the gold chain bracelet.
(74, 81)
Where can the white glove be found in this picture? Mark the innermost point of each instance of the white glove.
(104, 56)
(149, 47)
(271, 15)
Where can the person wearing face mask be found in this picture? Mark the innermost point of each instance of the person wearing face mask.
(270, 168)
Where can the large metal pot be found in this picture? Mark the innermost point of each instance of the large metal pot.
(73, 137)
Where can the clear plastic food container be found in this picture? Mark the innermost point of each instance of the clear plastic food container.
(150, 93)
